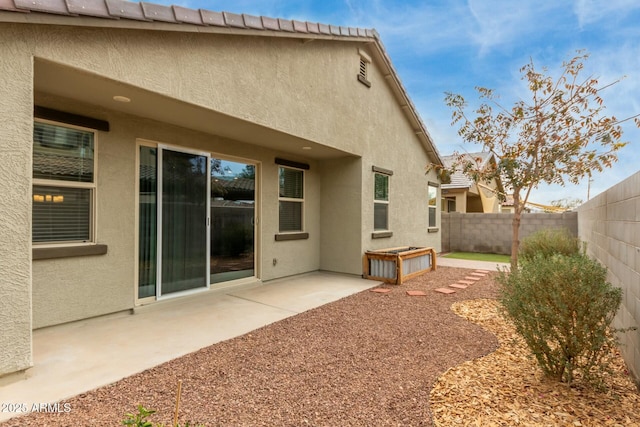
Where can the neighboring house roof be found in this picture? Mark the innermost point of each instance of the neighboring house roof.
(143, 15)
(458, 178)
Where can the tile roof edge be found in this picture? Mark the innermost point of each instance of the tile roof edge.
(176, 15)
(422, 128)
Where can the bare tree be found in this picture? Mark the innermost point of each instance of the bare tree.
(558, 136)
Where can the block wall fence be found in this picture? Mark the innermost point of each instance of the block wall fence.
(491, 233)
(610, 224)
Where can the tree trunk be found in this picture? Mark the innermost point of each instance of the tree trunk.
(515, 229)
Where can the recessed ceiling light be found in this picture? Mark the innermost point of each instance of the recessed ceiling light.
(120, 98)
(306, 148)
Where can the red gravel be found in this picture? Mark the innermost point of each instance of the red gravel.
(368, 359)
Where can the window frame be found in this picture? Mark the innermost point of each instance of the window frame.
(379, 232)
(432, 208)
(91, 186)
(384, 202)
(294, 200)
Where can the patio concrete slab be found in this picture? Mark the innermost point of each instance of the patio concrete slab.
(77, 357)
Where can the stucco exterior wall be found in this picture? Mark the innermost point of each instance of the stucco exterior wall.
(308, 90)
(16, 136)
(341, 219)
(304, 89)
(68, 289)
(610, 224)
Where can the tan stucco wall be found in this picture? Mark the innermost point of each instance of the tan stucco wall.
(308, 90)
(16, 134)
(305, 89)
(74, 288)
(341, 219)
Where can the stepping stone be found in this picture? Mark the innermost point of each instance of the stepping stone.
(479, 274)
(483, 271)
(458, 286)
(475, 279)
(381, 290)
(466, 282)
(416, 293)
(445, 291)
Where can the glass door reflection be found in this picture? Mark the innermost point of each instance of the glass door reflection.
(232, 220)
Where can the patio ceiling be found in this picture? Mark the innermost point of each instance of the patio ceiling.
(67, 82)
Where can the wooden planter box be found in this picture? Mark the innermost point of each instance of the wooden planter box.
(395, 265)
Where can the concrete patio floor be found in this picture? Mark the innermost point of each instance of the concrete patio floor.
(77, 357)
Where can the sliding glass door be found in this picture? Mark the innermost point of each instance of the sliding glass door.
(233, 197)
(184, 215)
(173, 221)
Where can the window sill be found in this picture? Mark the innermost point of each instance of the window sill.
(68, 251)
(381, 234)
(433, 230)
(291, 236)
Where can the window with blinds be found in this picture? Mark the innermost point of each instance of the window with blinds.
(63, 183)
(291, 199)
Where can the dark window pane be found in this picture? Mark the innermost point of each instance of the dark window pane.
(290, 216)
(432, 217)
(381, 191)
(148, 222)
(61, 214)
(62, 153)
(380, 216)
(291, 183)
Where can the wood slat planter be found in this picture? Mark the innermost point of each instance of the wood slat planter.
(396, 265)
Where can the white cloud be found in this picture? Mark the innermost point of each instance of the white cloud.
(591, 11)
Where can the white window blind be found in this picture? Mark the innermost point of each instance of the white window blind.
(63, 183)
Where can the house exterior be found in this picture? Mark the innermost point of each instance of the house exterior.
(463, 194)
(123, 125)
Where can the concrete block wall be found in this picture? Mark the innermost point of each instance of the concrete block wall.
(491, 233)
(610, 224)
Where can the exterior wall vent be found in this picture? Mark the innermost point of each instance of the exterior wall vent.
(363, 72)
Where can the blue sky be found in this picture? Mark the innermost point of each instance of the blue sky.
(440, 46)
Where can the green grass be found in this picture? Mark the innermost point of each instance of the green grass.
(478, 256)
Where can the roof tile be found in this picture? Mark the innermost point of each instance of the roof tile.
(9, 5)
(300, 26)
(344, 31)
(362, 32)
(313, 28)
(270, 23)
(89, 8)
(125, 9)
(158, 12)
(286, 25)
(233, 20)
(334, 30)
(49, 6)
(353, 32)
(188, 16)
(324, 29)
(252, 21)
(212, 18)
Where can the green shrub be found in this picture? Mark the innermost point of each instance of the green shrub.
(562, 306)
(548, 242)
(140, 419)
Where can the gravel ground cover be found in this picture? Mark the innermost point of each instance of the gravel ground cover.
(368, 359)
(371, 359)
